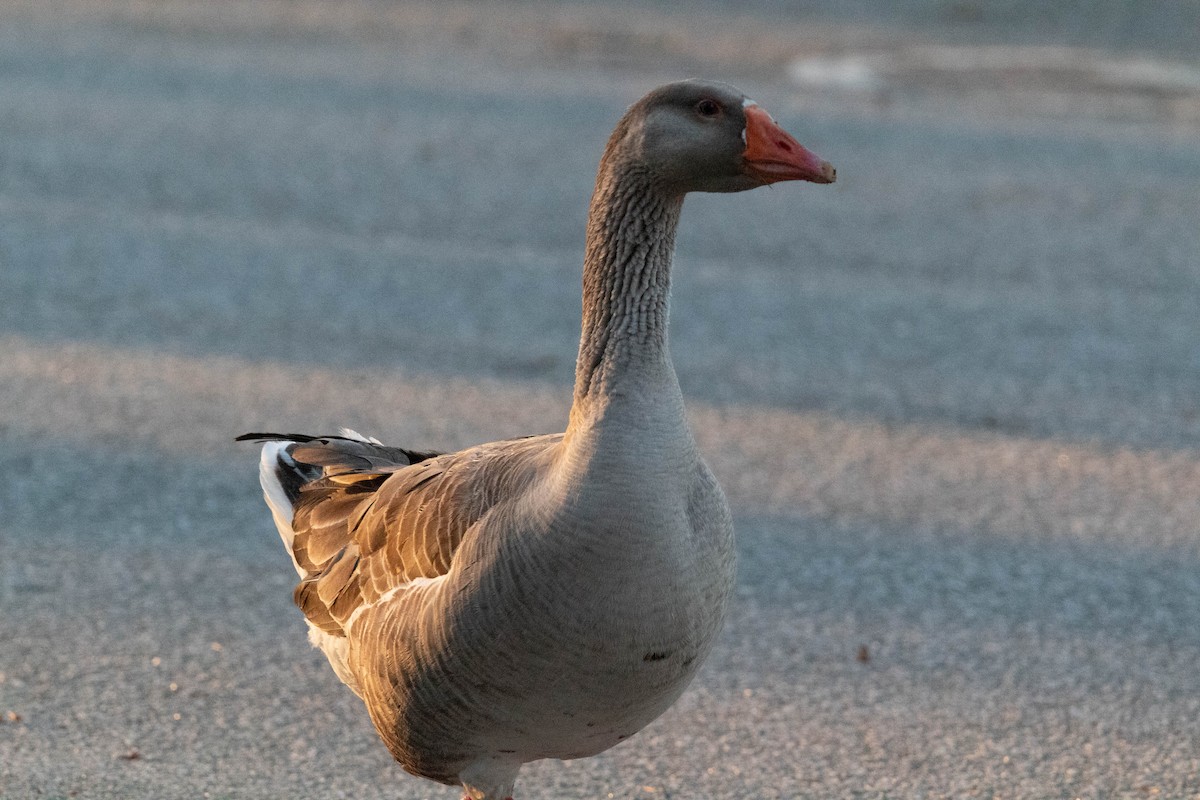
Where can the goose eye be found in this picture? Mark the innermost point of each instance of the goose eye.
(708, 108)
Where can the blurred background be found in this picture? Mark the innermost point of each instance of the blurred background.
(954, 398)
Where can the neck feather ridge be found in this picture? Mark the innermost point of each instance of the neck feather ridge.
(626, 282)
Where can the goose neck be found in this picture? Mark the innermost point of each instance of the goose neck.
(626, 285)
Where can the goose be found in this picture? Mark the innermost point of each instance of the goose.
(547, 596)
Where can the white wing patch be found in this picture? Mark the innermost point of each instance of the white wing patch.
(337, 650)
(276, 497)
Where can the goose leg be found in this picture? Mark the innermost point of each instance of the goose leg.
(490, 778)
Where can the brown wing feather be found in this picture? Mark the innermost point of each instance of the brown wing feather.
(323, 513)
(368, 526)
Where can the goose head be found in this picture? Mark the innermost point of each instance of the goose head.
(700, 136)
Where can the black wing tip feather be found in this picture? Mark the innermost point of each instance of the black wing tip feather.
(280, 437)
(413, 456)
(292, 478)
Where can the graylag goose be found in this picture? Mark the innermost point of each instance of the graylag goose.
(544, 597)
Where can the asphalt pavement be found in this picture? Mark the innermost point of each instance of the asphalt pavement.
(954, 398)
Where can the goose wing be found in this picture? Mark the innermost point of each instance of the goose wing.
(366, 519)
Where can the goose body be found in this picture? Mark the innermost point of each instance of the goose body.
(543, 597)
